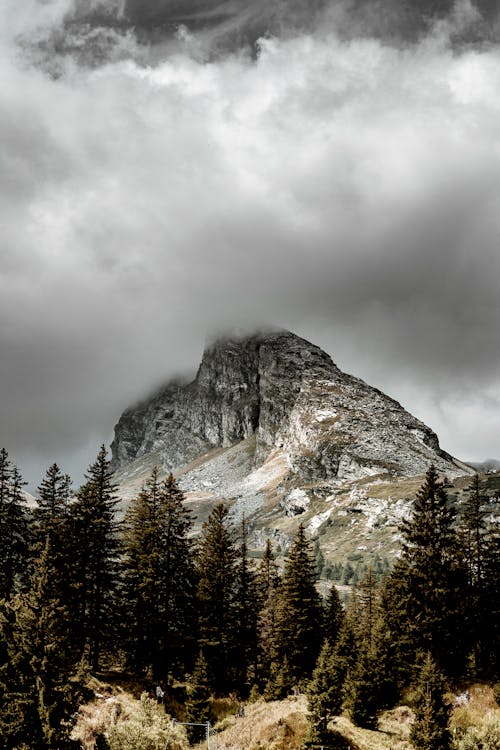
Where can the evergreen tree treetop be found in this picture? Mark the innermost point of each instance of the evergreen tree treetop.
(14, 527)
(430, 728)
(424, 597)
(299, 615)
(429, 536)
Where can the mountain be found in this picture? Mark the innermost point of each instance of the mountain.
(327, 425)
(271, 425)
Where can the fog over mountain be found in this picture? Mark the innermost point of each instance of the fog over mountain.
(168, 169)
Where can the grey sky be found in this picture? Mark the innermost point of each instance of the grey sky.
(334, 184)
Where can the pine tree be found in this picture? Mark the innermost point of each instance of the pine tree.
(323, 694)
(141, 573)
(38, 697)
(217, 592)
(246, 613)
(52, 527)
(268, 587)
(14, 528)
(54, 494)
(430, 728)
(342, 662)
(425, 591)
(334, 616)
(281, 681)
(299, 616)
(267, 576)
(319, 558)
(367, 590)
(198, 704)
(479, 542)
(159, 580)
(96, 558)
(369, 684)
(361, 697)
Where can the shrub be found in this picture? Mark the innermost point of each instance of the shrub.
(147, 728)
(496, 693)
(485, 737)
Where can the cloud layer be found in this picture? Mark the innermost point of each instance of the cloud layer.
(347, 189)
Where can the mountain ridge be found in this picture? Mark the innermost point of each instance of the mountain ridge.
(293, 397)
(274, 429)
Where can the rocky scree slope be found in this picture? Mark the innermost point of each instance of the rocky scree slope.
(325, 424)
(272, 427)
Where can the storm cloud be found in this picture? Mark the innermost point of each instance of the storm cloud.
(338, 185)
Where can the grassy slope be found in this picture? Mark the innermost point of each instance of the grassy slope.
(281, 725)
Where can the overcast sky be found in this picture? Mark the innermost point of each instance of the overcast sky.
(329, 179)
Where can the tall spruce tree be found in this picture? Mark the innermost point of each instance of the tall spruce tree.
(299, 614)
(430, 728)
(342, 661)
(52, 527)
(246, 613)
(324, 694)
(268, 581)
(334, 616)
(38, 697)
(52, 512)
(361, 687)
(198, 704)
(217, 594)
(14, 528)
(159, 580)
(369, 681)
(479, 542)
(96, 559)
(425, 600)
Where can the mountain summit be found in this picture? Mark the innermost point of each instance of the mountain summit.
(324, 425)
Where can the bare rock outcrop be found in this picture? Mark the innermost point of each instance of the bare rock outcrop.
(289, 394)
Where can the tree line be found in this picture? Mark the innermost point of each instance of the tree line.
(80, 590)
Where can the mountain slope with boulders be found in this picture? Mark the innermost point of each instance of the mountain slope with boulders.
(271, 425)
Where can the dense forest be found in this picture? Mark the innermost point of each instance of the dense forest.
(83, 589)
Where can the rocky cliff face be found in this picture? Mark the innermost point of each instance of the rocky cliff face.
(326, 425)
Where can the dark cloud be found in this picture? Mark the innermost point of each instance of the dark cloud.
(344, 187)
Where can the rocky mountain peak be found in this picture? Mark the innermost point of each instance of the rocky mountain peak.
(325, 424)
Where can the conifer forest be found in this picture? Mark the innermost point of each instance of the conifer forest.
(88, 589)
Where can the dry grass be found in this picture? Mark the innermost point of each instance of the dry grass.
(283, 725)
(392, 734)
(481, 707)
(280, 725)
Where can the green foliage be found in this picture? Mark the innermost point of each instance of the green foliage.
(198, 704)
(323, 694)
(334, 616)
(281, 681)
(479, 540)
(39, 694)
(147, 728)
(267, 592)
(369, 682)
(424, 600)
(299, 614)
(430, 728)
(14, 531)
(485, 737)
(246, 613)
(51, 514)
(361, 688)
(96, 559)
(218, 561)
(319, 559)
(159, 580)
(496, 692)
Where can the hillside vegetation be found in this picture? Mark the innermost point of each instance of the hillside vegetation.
(199, 629)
